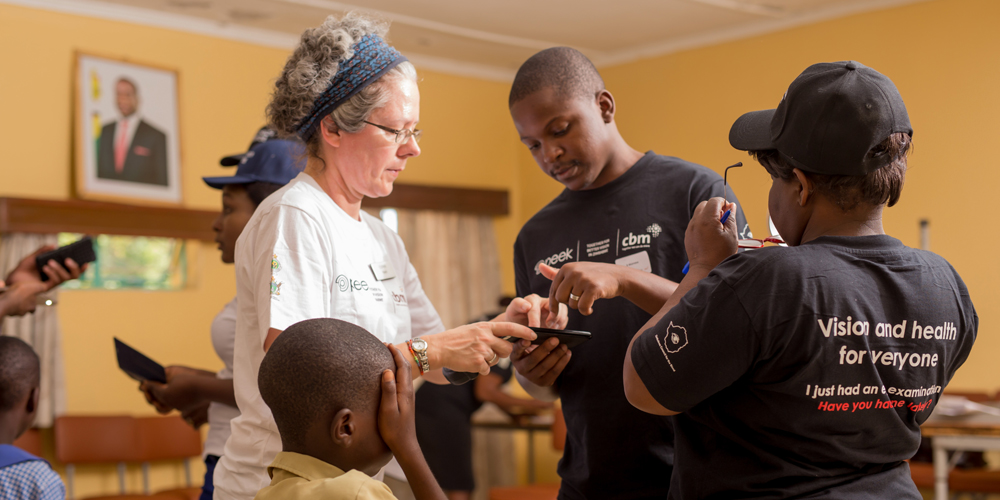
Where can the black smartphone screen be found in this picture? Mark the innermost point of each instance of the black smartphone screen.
(81, 251)
(571, 338)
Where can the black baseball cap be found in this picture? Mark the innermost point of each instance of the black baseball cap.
(263, 135)
(276, 160)
(832, 115)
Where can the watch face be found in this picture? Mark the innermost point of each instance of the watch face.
(419, 344)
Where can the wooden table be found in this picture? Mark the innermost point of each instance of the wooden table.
(529, 424)
(974, 432)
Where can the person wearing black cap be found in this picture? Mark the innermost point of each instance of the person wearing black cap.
(806, 371)
(201, 395)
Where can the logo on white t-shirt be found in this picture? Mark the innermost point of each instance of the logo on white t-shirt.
(346, 284)
(399, 298)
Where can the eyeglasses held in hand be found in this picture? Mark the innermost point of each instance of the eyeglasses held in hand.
(758, 243)
(402, 136)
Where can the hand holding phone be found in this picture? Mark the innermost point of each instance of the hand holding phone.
(81, 251)
(571, 338)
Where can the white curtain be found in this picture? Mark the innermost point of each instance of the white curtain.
(455, 256)
(39, 329)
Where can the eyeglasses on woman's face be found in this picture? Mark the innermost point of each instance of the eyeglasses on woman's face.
(746, 242)
(399, 136)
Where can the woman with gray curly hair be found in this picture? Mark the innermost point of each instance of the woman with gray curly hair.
(310, 252)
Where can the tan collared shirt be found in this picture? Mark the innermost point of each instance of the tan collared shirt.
(298, 476)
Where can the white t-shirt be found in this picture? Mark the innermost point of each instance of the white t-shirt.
(302, 257)
(219, 415)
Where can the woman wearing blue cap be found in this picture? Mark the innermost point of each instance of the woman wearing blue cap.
(310, 252)
(200, 395)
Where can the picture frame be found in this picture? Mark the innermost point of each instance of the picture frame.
(126, 127)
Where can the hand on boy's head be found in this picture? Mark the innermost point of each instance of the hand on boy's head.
(707, 240)
(395, 413)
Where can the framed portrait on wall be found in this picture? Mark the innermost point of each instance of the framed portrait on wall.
(127, 142)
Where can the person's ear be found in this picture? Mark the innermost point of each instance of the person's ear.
(606, 103)
(330, 131)
(32, 404)
(805, 187)
(343, 428)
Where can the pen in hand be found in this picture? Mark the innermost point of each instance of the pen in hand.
(725, 217)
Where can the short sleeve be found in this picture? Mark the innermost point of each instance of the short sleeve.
(424, 319)
(521, 284)
(375, 490)
(292, 269)
(703, 345)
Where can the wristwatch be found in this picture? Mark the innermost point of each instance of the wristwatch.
(418, 347)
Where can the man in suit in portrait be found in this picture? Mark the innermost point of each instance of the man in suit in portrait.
(130, 148)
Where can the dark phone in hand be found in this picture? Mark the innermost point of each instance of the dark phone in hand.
(571, 338)
(81, 251)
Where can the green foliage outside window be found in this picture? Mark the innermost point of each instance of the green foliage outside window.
(132, 262)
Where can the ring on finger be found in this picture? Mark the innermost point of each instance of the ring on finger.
(573, 296)
(493, 360)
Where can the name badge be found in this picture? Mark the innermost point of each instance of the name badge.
(638, 261)
(383, 270)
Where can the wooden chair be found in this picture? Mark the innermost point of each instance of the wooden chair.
(118, 440)
(169, 438)
(549, 491)
(31, 442)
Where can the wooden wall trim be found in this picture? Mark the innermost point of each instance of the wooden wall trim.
(447, 199)
(27, 215)
(24, 215)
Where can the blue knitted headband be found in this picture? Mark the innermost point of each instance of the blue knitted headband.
(372, 58)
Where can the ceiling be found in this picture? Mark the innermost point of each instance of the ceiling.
(492, 38)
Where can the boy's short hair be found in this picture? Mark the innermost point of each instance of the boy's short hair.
(882, 186)
(563, 68)
(317, 367)
(19, 371)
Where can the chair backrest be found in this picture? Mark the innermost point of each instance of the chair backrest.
(559, 430)
(30, 441)
(96, 439)
(166, 438)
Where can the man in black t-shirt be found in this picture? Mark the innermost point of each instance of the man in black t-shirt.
(623, 216)
(806, 371)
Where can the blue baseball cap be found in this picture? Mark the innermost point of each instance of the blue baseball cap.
(276, 160)
(263, 135)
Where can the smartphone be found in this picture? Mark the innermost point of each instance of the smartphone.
(571, 338)
(81, 251)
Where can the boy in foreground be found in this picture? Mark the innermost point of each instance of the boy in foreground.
(343, 403)
(22, 475)
(806, 371)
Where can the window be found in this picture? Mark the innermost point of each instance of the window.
(132, 262)
(390, 217)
